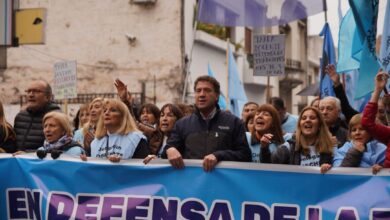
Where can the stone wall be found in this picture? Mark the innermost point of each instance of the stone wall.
(94, 34)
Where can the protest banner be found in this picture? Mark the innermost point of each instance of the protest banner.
(65, 80)
(68, 188)
(268, 55)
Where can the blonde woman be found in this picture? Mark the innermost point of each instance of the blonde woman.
(82, 117)
(362, 150)
(311, 145)
(7, 134)
(86, 134)
(117, 136)
(58, 137)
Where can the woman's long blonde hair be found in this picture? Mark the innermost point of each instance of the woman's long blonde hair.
(7, 128)
(87, 125)
(83, 108)
(127, 123)
(323, 143)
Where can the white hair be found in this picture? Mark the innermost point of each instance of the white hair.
(332, 98)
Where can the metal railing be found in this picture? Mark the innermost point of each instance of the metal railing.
(88, 97)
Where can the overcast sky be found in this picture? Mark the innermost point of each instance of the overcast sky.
(316, 22)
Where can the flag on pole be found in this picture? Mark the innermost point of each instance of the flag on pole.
(236, 92)
(351, 78)
(365, 14)
(347, 33)
(328, 57)
(385, 44)
(221, 99)
(256, 13)
(340, 12)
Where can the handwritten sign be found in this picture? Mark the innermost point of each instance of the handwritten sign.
(268, 55)
(65, 80)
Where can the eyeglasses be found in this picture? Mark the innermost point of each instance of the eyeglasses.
(33, 91)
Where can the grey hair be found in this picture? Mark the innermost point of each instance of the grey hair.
(335, 99)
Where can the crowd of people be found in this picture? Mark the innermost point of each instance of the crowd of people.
(327, 133)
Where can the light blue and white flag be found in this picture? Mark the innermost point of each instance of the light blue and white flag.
(346, 44)
(385, 45)
(221, 99)
(237, 95)
(351, 79)
(256, 13)
(365, 14)
(339, 12)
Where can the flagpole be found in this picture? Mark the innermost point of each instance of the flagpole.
(268, 95)
(187, 64)
(227, 74)
(325, 10)
(268, 89)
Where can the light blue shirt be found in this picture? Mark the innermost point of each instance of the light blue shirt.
(256, 148)
(374, 154)
(290, 125)
(121, 145)
(79, 137)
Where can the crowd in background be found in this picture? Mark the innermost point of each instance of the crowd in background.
(327, 133)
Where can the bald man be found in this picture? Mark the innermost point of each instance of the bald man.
(28, 122)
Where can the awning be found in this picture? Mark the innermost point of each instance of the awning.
(289, 83)
(310, 90)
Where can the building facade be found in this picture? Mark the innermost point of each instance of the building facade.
(109, 39)
(159, 44)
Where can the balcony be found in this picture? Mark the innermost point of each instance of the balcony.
(293, 64)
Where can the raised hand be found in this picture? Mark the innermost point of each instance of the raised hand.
(330, 69)
(121, 89)
(265, 140)
(381, 80)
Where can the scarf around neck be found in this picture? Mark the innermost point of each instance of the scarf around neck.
(64, 140)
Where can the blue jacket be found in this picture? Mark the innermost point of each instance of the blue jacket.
(348, 156)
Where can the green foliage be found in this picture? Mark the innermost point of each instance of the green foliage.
(215, 30)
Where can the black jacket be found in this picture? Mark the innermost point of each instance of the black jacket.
(28, 127)
(8, 145)
(283, 155)
(346, 108)
(223, 136)
(340, 132)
